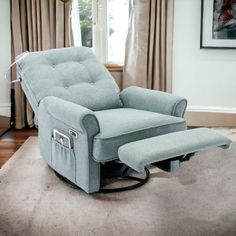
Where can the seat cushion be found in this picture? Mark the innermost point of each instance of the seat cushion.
(125, 125)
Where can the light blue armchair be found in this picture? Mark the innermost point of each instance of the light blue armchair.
(70, 91)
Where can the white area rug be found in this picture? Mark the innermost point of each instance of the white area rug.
(199, 199)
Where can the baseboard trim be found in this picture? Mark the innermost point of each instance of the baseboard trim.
(211, 117)
(211, 109)
(5, 109)
(4, 124)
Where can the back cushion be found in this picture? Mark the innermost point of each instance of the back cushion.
(73, 74)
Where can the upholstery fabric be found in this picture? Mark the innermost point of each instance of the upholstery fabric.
(141, 153)
(36, 25)
(124, 125)
(155, 101)
(77, 163)
(70, 74)
(69, 89)
(70, 113)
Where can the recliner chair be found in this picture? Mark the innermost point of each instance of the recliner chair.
(71, 92)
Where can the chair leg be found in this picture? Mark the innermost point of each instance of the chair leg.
(168, 165)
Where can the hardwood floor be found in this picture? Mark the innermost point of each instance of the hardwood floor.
(12, 140)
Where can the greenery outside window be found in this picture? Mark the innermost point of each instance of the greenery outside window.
(101, 25)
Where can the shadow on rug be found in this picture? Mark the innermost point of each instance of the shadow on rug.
(198, 199)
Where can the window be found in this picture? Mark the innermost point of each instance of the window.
(117, 29)
(101, 25)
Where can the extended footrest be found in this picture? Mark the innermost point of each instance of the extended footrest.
(147, 151)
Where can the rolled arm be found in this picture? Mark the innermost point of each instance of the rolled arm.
(152, 100)
(73, 115)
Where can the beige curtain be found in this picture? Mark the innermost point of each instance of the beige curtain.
(148, 58)
(36, 25)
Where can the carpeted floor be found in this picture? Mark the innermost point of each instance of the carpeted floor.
(199, 199)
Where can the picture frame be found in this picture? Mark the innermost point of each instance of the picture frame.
(218, 24)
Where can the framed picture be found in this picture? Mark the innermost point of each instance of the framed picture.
(218, 24)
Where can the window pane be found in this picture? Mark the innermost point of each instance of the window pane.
(118, 14)
(86, 24)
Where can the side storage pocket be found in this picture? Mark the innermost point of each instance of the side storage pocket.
(63, 160)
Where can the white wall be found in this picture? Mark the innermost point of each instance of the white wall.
(5, 56)
(206, 77)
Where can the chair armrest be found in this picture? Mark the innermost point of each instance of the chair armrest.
(70, 114)
(77, 163)
(152, 100)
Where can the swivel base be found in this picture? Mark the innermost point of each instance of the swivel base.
(117, 171)
(125, 175)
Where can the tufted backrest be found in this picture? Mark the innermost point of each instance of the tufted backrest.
(73, 74)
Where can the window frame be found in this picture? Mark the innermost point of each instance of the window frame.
(99, 33)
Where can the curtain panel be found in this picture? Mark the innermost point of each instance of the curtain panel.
(36, 25)
(148, 57)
